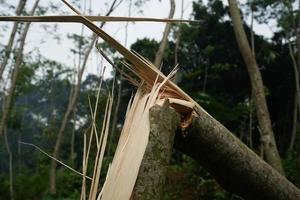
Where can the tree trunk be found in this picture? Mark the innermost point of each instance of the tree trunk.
(15, 72)
(267, 137)
(10, 163)
(153, 170)
(178, 35)
(236, 167)
(72, 146)
(71, 106)
(160, 53)
(294, 127)
(9, 45)
(296, 66)
(115, 117)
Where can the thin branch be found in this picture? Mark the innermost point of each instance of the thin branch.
(76, 18)
(42, 151)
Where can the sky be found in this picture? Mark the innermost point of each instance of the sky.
(38, 39)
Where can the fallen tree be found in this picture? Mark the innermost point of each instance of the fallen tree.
(236, 167)
(232, 163)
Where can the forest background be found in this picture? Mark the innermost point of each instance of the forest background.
(58, 77)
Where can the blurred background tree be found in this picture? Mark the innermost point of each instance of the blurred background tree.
(212, 71)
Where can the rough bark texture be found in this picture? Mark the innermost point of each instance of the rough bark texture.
(9, 45)
(15, 72)
(71, 106)
(236, 167)
(263, 116)
(152, 175)
(160, 53)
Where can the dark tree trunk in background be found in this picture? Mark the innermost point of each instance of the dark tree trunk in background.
(115, 116)
(71, 106)
(18, 62)
(296, 67)
(176, 49)
(151, 179)
(295, 122)
(119, 94)
(8, 100)
(10, 160)
(10, 164)
(263, 116)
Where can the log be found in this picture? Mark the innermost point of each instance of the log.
(236, 167)
(152, 174)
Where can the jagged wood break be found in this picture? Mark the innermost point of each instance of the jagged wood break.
(209, 134)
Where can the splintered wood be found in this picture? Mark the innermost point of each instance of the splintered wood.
(123, 172)
(156, 88)
(124, 169)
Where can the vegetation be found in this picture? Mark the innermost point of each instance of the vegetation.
(43, 99)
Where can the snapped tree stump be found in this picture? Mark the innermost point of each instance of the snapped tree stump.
(152, 174)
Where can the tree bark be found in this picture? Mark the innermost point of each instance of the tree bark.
(71, 106)
(9, 45)
(10, 161)
(263, 116)
(236, 167)
(160, 53)
(15, 72)
(152, 174)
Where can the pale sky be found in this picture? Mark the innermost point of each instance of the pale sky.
(61, 51)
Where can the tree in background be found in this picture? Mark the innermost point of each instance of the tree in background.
(8, 100)
(9, 46)
(267, 135)
(164, 41)
(72, 104)
(212, 71)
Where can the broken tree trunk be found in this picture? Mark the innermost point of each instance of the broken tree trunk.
(152, 174)
(237, 168)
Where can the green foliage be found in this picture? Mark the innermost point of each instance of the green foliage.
(69, 184)
(146, 48)
(291, 167)
(212, 71)
(30, 186)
